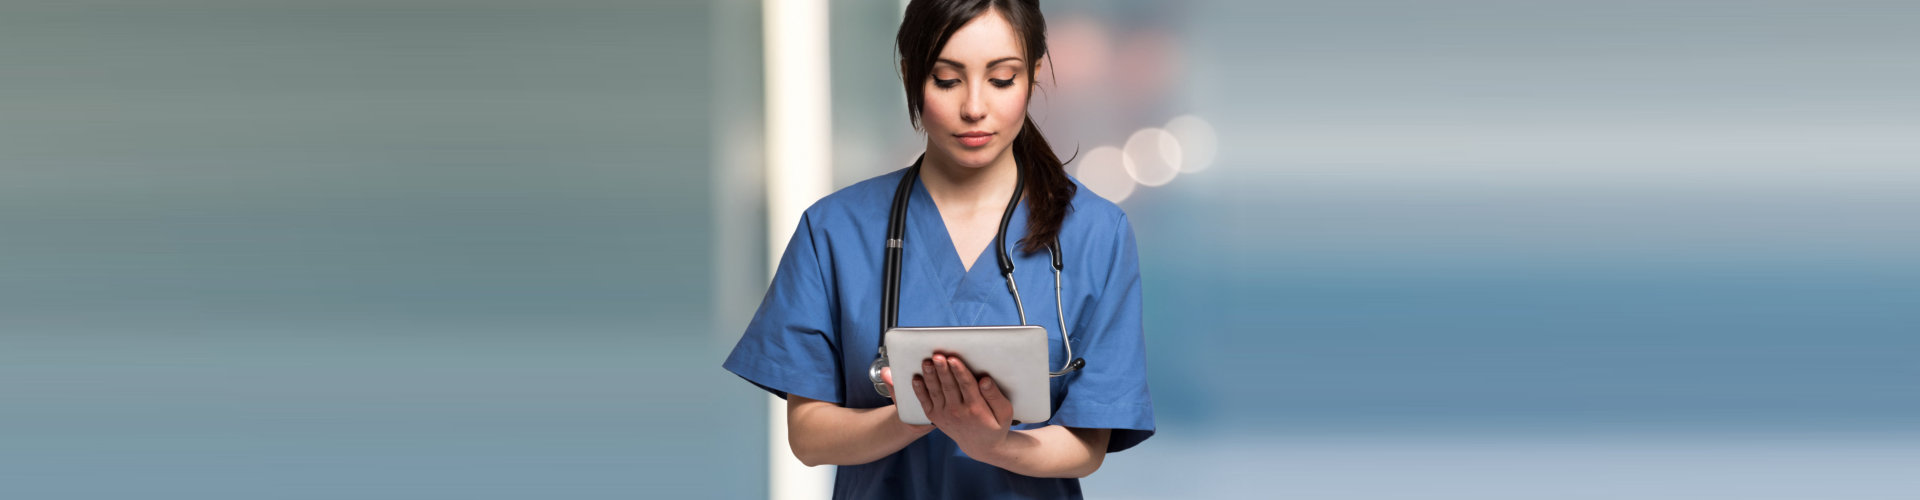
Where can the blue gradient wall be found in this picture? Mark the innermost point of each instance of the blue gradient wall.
(413, 249)
(1539, 250)
(1684, 217)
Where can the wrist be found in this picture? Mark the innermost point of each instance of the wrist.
(903, 428)
(996, 453)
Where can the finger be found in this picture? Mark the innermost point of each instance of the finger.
(886, 374)
(969, 386)
(948, 389)
(920, 391)
(1002, 407)
(931, 383)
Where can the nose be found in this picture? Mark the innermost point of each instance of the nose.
(974, 108)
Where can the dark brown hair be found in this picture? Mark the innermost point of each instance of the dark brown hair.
(924, 32)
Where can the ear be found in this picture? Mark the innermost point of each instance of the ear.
(1033, 75)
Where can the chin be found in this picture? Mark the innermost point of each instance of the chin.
(975, 158)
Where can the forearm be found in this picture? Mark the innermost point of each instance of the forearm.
(825, 433)
(1051, 451)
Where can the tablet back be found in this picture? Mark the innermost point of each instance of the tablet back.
(1016, 357)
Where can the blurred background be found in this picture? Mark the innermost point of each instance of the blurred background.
(473, 249)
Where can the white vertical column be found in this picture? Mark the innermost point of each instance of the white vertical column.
(799, 171)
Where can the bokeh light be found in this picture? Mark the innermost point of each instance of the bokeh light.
(1152, 157)
(1103, 172)
(1198, 142)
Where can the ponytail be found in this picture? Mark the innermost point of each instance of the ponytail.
(1049, 191)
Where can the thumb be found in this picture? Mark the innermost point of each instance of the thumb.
(990, 391)
(886, 373)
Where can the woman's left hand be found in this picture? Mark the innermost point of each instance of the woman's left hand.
(969, 409)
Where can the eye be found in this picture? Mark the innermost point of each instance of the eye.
(946, 84)
(1002, 83)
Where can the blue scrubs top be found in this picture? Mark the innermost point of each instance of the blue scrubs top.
(819, 327)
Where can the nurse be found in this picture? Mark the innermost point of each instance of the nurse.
(968, 67)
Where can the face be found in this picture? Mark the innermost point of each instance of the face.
(976, 98)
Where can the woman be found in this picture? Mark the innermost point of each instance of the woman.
(968, 68)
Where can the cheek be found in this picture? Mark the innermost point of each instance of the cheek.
(1008, 107)
(1012, 106)
(941, 111)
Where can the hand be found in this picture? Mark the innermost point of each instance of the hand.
(886, 374)
(970, 410)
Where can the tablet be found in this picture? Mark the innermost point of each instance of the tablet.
(1016, 357)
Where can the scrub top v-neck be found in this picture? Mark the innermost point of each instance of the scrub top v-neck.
(817, 328)
(971, 288)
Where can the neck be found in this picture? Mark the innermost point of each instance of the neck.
(955, 185)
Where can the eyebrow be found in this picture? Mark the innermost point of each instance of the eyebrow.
(995, 62)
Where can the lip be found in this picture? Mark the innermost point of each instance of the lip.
(974, 138)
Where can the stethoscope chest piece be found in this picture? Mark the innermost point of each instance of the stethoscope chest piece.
(873, 373)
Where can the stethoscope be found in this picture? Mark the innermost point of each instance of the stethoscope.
(896, 239)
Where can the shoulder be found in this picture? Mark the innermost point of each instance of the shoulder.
(1097, 234)
(1093, 217)
(855, 205)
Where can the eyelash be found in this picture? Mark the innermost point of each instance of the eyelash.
(947, 84)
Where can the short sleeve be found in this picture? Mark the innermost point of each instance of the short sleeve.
(789, 347)
(1110, 391)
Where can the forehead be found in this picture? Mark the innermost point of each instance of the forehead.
(985, 38)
